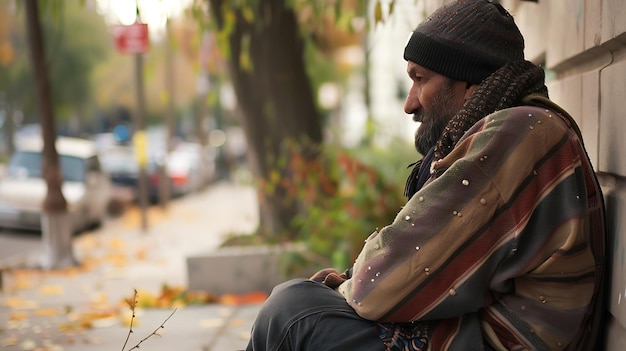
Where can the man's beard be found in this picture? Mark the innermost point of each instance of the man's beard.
(434, 122)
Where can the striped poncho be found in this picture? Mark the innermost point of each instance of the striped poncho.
(503, 247)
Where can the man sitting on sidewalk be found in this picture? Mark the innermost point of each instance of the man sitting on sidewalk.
(501, 245)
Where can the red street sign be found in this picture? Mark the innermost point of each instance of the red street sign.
(132, 39)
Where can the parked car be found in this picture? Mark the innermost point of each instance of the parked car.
(86, 187)
(190, 167)
(155, 172)
(120, 163)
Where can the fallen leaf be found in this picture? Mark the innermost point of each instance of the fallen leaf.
(211, 323)
(146, 299)
(22, 283)
(28, 345)
(117, 244)
(117, 259)
(18, 316)
(71, 328)
(10, 341)
(88, 242)
(49, 346)
(104, 322)
(92, 341)
(100, 302)
(127, 318)
(98, 319)
(89, 263)
(46, 312)
(51, 290)
(242, 299)
(18, 324)
(236, 323)
(19, 303)
(194, 297)
(26, 272)
(69, 271)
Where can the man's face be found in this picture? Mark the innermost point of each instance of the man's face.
(433, 100)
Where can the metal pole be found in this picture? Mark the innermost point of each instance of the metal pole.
(164, 182)
(140, 128)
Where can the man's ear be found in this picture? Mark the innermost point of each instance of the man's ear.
(469, 89)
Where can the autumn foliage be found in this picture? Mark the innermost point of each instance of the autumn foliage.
(342, 197)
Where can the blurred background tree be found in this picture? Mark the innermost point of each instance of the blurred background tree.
(289, 63)
(55, 222)
(77, 39)
(269, 47)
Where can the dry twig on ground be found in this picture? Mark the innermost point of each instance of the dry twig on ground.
(133, 303)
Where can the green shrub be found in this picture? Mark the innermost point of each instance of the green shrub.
(345, 197)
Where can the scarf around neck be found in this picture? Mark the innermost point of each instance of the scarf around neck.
(504, 88)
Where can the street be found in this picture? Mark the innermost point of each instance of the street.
(21, 247)
(86, 307)
(15, 246)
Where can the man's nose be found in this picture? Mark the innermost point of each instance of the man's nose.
(411, 104)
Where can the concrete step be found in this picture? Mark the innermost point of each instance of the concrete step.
(243, 269)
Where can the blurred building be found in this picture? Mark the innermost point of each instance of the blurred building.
(389, 83)
(582, 45)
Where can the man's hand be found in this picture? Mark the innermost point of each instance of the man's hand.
(330, 277)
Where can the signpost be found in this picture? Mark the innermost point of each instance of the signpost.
(134, 39)
(131, 39)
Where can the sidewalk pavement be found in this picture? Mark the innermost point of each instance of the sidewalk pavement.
(83, 308)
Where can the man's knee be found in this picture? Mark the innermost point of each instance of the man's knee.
(302, 295)
(300, 311)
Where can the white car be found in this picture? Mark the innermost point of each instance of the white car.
(86, 187)
(190, 168)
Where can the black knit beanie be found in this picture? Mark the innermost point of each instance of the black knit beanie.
(466, 40)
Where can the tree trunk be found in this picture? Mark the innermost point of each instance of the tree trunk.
(55, 220)
(277, 103)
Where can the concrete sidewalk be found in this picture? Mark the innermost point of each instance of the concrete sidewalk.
(83, 308)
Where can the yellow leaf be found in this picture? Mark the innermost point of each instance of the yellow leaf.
(23, 283)
(248, 14)
(118, 244)
(211, 323)
(18, 316)
(88, 243)
(20, 303)
(117, 259)
(378, 12)
(98, 319)
(46, 312)
(100, 301)
(126, 319)
(9, 341)
(51, 290)
(142, 254)
(274, 176)
(237, 323)
(28, 345)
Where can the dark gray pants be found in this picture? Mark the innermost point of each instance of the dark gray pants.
(302, 315)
